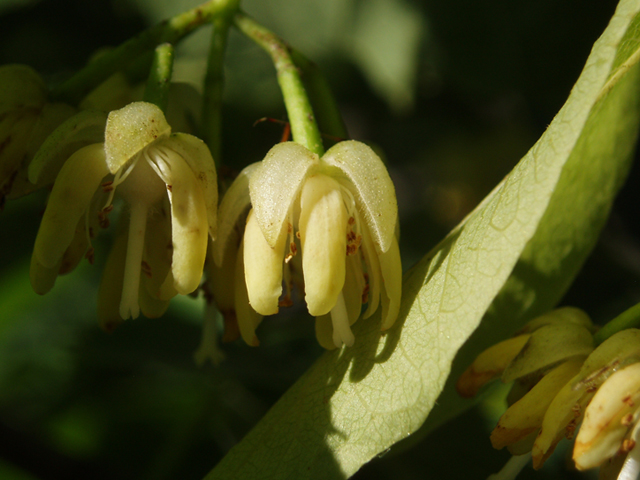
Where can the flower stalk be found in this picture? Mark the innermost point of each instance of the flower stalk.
(159, 81)
(303, 122)
(630, 318)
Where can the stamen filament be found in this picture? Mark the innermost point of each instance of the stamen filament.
(133, 264)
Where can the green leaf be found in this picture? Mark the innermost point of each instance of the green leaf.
(543, 219)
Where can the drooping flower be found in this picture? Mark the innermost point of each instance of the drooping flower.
(559, 378)
(168, 182)
(26, 118)
(339, 212)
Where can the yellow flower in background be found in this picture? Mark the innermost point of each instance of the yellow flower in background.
(26, 119)
(339, 212)
(168, 182)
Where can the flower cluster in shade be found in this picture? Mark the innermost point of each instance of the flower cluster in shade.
(562, 385)
(168, 183)
(327, 225)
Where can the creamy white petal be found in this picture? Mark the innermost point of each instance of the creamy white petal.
(130, 130)
(372, 186)
(110, 290)
(263, 267)
(189, 224)
(391, 269)
(275, 185)
(248, 318)
(77, 181)
(373, 272)
(196, 153)
(233, 205)
(323, 238)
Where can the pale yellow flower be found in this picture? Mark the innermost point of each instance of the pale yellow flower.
(168, 182)
(340, 212)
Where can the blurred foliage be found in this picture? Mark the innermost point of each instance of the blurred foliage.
(470, 85)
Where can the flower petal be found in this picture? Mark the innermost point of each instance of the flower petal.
(263, 267)
(324, 331)
(131, 129)
(84, 128)
(234, 204)
(372, 186)
(21, 86)
(391, 269)
(196, 153)
(42, 278)
(248, 318)
(158, 250)
(275, 185)
(189, 224)
(77, 181)
(323, 238)
(110, 290)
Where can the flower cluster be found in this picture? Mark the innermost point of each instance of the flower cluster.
(169, 184)
(339, 212)
(560, 380)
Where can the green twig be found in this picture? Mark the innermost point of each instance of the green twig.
(214, 85)
(324, 104)
(303, 124)
(157, 90)
(628, 319)
(169, 31)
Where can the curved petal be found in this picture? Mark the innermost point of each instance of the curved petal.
(354, 285)
(196, 153)
(324, 331)
(15, 130)
(391, 269)
(263, 267)
(248, 318)
(373, 272)
(372, 186)
(84, 128)
(189, 224)
(158, 250)
(42, 278)
(276, 183)
(233, 205)
(323, 239)
(77, 181)
(131, 129)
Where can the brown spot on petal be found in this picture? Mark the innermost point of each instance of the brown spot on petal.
(628, 400)
(169, 187)
(627, 420)
(627, 445)
(89, 255)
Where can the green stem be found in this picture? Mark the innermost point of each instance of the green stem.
(214, 85)
(157, 90)
(324, 104)
(170, 31)
(628, 319)
(303, 124)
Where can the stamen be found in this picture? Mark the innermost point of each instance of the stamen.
(341, 330)
(512, 468)
(129, 306)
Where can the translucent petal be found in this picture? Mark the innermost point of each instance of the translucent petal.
(158, 249)
(82, 129)
(196, 153)
(489, 365)
(131, 129)
(77, 181)
(372, 186)
(263, 267)
(373, 272)
(548, 346)
(219, 278)
(234, 204)
(275, 185)
(42, 278)
(15, 131)
(324, 331)
(323, 238)
(562, 315)
(391, 269)
(76, 250)
(189, 224)
(151, 307)
(248, 318)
